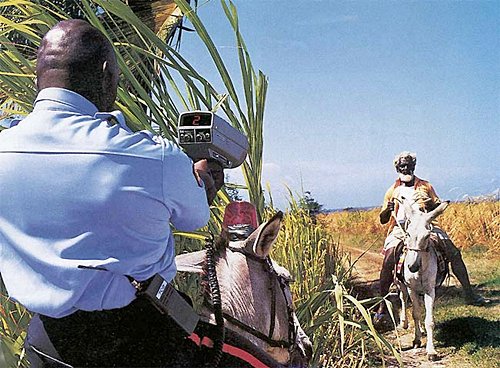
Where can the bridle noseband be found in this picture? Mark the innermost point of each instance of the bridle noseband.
(425, 250)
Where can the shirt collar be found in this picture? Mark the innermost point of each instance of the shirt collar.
(64, 99)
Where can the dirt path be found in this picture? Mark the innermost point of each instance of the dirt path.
(368, 265)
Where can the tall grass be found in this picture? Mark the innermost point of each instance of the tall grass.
(473, 223)
(13, 321)
(353, 222)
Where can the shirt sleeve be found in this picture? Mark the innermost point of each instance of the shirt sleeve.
(185, 198)
(434, 199)
(387, 198)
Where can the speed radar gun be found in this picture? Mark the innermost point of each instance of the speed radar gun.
(204, 135)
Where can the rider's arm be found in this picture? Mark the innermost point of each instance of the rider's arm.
(433, 199)
(387, 207)
(183, 194)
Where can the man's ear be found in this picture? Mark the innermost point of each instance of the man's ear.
(109, 86)
(106, 75)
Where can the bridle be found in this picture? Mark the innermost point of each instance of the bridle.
(283, 282)
(424, 250)
(418, 250)
(406, 235)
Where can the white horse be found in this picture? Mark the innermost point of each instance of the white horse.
(420, 270)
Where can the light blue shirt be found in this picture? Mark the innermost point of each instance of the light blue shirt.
(77, 187)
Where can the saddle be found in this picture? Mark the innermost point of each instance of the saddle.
(442, 261)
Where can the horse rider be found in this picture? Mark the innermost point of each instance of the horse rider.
(87, 206)
(410, 186)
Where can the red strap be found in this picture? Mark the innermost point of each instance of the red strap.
(229, 349)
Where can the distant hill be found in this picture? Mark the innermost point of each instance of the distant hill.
(348, 209)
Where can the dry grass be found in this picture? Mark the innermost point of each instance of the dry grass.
(353, 222)
(467, 223)
(470, 224)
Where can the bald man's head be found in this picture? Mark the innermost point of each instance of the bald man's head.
(76, 56)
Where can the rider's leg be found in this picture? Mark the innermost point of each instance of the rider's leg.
(386, 276)
(460, 271)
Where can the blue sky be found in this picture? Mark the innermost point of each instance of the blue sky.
(351, 84)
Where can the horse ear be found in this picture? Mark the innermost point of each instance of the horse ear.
(431, 216)
(267, 234)
(407, 204)
(191, 262)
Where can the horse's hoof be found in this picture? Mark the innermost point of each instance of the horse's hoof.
(403, 326)
(432, 357)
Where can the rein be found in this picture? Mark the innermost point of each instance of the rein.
(418, 250)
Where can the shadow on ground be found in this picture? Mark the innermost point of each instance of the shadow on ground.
(462, 331)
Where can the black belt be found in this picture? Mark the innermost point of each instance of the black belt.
(164, 297)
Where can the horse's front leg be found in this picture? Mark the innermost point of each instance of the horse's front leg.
(403, 313)
(429, 323)
(417, 313)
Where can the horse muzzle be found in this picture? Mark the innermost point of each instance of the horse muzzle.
(301, 352)
(415, 266)
(297, 360)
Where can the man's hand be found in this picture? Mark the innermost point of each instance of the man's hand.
(212, 174)
(385, 215)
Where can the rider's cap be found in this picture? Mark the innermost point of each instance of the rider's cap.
(240, 217)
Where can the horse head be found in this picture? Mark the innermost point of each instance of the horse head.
(418, 231)
(255, 294)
